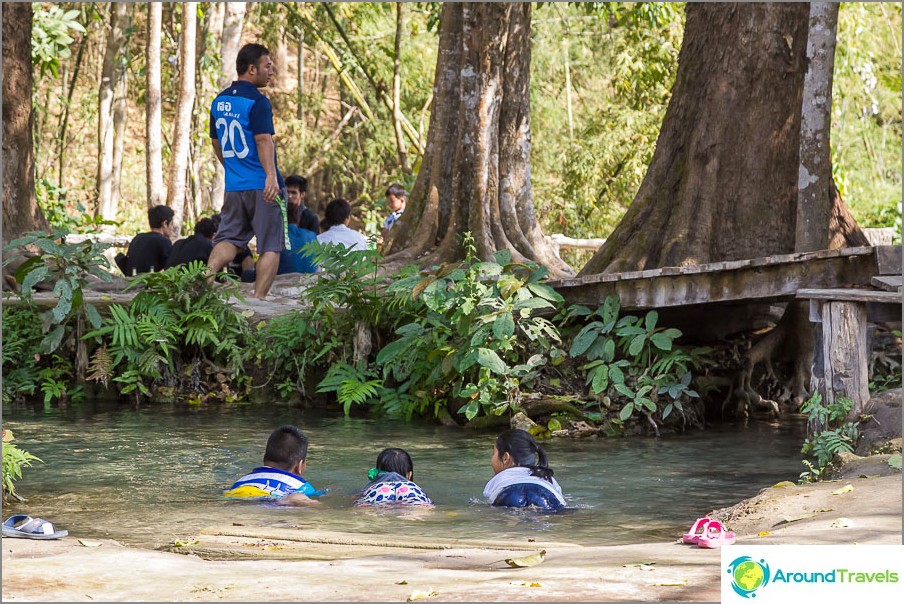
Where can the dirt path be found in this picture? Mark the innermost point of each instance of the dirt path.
(854, 510)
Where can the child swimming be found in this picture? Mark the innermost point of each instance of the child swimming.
(523, 477)
(285, 460)
(390, 481)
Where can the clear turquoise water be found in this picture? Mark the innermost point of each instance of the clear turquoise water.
(148, 475)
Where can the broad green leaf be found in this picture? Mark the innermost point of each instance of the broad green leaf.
(626, 412)
(600, 379)
(544, 291)
(533, 303)
(584, 339)
(624, 390)
(650, 320)
(34, 277)
(52, 340)
(93, 316)
(489, 359)
(504, 326)
(608, 350)
(637, 345)
(661, 341)
(616, 374)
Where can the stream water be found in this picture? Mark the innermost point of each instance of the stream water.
(150, 474)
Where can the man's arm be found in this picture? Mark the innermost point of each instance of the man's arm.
(217, 149)
(266, 151)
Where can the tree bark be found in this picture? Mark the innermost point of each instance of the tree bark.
(816, 191)
(481, 110)
(153, 97)
(229, 49)
(113, 71)
(397, 91)
(21, 212)
(722, 184)
(178, 167)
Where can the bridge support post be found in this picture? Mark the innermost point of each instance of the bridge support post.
(840, 360)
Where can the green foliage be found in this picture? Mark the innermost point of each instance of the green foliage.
(50, 36)
(53, 202)
(829, 433)
(177, 319)
(353, 385)
(472, 335)
(634, 362)
(22, 337)
(67, 267)
(14, 459)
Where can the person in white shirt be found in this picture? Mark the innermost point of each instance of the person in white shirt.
(335, 227)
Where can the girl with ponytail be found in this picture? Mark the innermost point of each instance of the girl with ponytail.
(523, 477)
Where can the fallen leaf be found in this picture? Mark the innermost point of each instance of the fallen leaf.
(843, 523)
(89, 543)
(186, 543)
(401, 582)
(421, 595)
(782, 484)
(639, 564)
(845, 489)
(678, 584)
(529, 584)
(895, 461)
(532, 560)
(789, 519)
(763, 534)
(248, 313)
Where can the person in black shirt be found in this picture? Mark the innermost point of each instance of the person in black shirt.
(149, 252)
(196, 247)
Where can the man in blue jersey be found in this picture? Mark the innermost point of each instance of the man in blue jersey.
(241, 130)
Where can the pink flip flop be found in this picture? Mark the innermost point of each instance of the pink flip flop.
(697, 530)
(715, 536)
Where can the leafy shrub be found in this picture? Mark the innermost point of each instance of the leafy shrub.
(472, 336)
(634, 362)
(14, 459)
(829, 433)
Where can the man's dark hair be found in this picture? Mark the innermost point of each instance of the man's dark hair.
(206, 228)
(336, 213)
(395, 460)
(249, 55)
(285, 448)
(297, 182)
(396, 190)
(160, 214)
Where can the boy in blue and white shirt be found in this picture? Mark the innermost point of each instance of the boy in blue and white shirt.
(279, 479)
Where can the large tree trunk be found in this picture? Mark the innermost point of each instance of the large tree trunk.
(153, 128)
(113, 71)
(178, 168)
(475, 175)
(229, 48)
(722, 184)
(20, 208)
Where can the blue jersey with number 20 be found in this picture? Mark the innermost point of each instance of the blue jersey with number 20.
(236, 115)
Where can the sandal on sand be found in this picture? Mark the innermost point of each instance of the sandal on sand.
(715, 536)
(26, 527)
(697, 530)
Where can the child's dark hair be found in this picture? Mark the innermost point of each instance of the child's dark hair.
(395, 460)
(286, 446)
(336, 213)
(525, 451)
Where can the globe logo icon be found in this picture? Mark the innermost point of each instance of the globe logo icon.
(748, 575)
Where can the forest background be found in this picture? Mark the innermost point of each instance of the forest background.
(352, 98)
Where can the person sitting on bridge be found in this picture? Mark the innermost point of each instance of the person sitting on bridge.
(149, 252)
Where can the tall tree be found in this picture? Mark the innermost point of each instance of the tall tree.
(114, 69)
(153, 128)
(21, 212)
(723, 181)
(178, 167)
(475, 175)
(233, 23)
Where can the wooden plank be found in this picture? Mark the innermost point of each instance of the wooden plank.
(889, 283)
(851, 295)
(776, 278)
(844, 355)
(888, 259)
